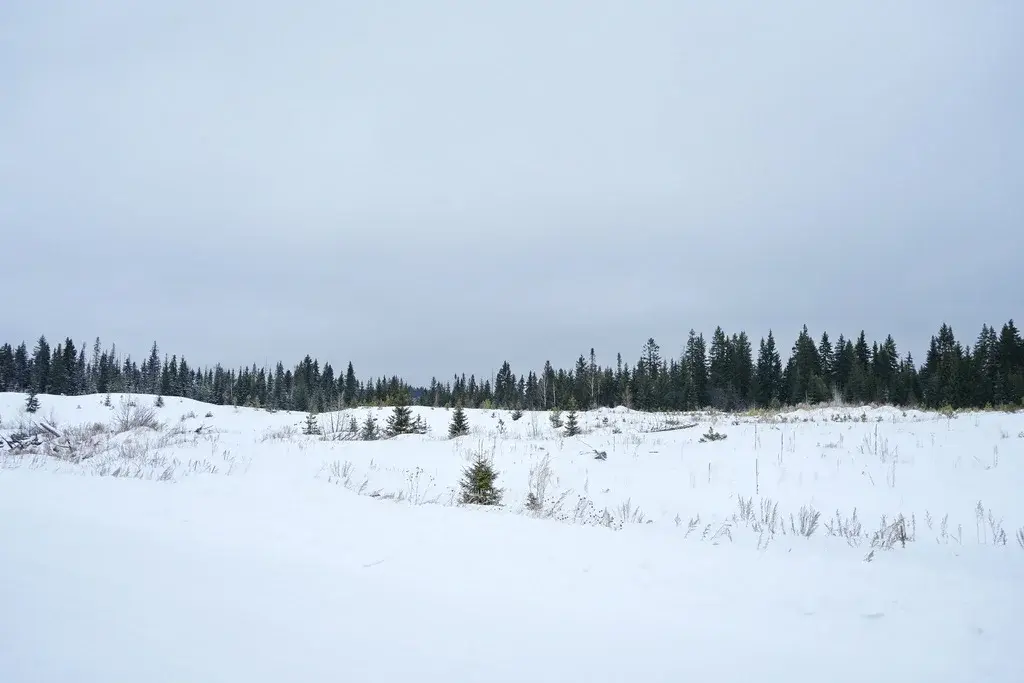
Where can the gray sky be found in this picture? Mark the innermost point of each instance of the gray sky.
(432, 187)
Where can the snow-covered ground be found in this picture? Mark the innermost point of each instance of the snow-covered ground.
(227, 546)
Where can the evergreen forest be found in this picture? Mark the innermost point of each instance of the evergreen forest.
(725, 372)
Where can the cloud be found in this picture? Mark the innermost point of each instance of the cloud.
(431, 187)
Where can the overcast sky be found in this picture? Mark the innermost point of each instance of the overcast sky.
(431, 187)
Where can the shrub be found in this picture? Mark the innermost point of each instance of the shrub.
(130, 416)
(540, 477)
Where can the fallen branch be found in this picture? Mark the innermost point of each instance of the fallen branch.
(56, 440)
(17, 442)
(674, 428)
(598, 455)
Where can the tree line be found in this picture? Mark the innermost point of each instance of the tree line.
(724, 373)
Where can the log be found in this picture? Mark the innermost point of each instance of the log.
(46, 426)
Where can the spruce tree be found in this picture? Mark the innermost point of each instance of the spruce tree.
(477, 485)
(768, 375)
(742, 369)
(32, 404)
(312, 427)
(459, 425)
(572, 425)
(400, 421)
(720, 389)
(41, 364)
(827, 359)
(697, 371)
(6, 368)
(369, 430)
(159, 402)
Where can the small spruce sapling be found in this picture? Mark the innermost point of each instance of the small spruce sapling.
(477, 485)
(712, 435)
(159, 402)
(419, 426)
(572, 424)
(32, 403)
(369, 431)
(312, 427)
(459, 425)
(517, 414)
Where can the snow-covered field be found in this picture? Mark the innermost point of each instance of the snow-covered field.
(838, 544)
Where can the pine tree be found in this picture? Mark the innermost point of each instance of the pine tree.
(400, 421)
(477, 485)
(159, 402)
(572, 425)
(459, 425)
(517, 414)
(32, 404)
